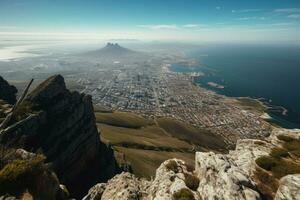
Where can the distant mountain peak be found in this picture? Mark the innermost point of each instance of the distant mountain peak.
(112, 45)
(113, 52)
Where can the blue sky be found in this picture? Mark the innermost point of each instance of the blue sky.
(185, 20)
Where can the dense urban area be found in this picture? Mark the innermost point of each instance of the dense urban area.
(153, 90)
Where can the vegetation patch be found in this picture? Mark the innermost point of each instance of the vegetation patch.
(285, 138)
(18, 175)
(279, 152)
(251, 104)
(279, 166)
(122, 119)
(191, 181)
(145, 162)
(149, 137)
(183, 194)
(172, 166)
(267, 190)
(259, 142)
(186, 132)
(281, 162)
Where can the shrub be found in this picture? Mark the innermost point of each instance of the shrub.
(191, 181)
(266, 162)
(279, 163)
(296, 153)
(285, 138)
(259, 142)
(172, 166)
(285, 167)
(267, 190)
(293, 145)
(190, 168)
(183, 194)
(18, 175)
(279, 152)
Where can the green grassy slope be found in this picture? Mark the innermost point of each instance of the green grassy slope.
(122, 119)
(197, 136)
(149, 136)
(145, 144)
(145, 162)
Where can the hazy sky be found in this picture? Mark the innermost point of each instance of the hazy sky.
(182, 20)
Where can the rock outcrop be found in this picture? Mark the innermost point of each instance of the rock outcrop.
(23, 172)
(289, 188)
(7, 92)
(221, 178)
(216, 176)
(128, 187)
(61, 125)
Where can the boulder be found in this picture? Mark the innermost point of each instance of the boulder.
(124, 186)
(221, 178)
(289, 188)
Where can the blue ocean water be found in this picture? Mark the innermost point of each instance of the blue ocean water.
(269, 72)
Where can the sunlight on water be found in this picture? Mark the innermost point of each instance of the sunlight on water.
(17, 52)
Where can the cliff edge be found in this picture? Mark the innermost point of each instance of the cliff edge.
(61, 125)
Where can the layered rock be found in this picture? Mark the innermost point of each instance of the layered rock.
(216, 176)
(61, 124)
(7, 92)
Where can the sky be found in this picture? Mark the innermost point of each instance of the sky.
(162, 20)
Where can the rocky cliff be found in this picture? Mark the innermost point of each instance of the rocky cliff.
(238, 175)
(25, 174)
(7, 92)
(61, 125)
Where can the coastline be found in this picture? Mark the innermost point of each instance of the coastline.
(262, 107)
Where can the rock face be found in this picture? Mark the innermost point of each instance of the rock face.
(7, 92)
(216, 176)
(221, 178)
(122, 186)
(289, 188)
(62, 126)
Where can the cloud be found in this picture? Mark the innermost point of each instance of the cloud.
(267, 30)
(193, 25)
(281, 24)
(294, 16)
(8, 27)
(159, 26)
(251, 18)
(245, 10)
(287, 10)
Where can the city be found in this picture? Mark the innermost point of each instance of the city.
(153, 91)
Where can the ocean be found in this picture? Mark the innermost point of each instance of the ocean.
(270, 73)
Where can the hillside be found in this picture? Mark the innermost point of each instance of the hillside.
(145, 144)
